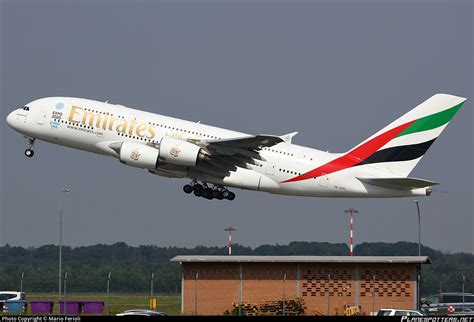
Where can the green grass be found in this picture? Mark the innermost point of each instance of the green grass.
(118, 302)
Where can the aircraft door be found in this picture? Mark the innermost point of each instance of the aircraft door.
(324, 181)
(132, 117)
(43, 114)
(270, 170)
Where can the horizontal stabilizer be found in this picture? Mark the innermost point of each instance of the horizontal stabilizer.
(399, 183)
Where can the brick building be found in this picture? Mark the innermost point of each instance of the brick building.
(211, 284)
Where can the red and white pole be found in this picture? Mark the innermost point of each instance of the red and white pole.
(351, 212)
(351, 232)
(230, 229)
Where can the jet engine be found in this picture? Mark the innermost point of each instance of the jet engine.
(179, 152)
(139, 155)
(169, 151)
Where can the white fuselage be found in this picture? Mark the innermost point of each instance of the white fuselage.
(93, 126)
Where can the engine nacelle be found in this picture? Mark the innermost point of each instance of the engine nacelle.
(139, 155)
(170, 151)
(178, 152)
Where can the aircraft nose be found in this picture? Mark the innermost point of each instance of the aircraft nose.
(10, 119)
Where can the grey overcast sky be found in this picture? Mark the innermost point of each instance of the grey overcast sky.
(335, 71)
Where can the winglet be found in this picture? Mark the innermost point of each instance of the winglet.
(288, 137)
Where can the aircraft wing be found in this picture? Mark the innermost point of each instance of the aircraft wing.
(399, 183)
(228, 154)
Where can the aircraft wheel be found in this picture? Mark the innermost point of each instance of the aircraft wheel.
(219, 195)
(198, 187)
(231, 196)
(197, 193)
(188, 189)
(225, 193)
(206, 193)
(29, 153)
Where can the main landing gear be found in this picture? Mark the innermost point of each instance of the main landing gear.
(203, 190)
(29, 152)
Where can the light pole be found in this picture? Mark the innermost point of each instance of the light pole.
(151, 285)
(21, 282)
(21, 291)
(373, 294)
(64, 191)
(419, 226)
(152, 303)
(65, 290)
(284, 294)
(463, 299)
(196, 294)
(329, 303)
(108, 292)
(240, 289)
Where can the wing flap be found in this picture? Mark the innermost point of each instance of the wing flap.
(399, 183)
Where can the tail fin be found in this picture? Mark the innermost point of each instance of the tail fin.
(398, 147)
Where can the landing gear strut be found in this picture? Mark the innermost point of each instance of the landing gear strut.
(29, 152)
(203, 190)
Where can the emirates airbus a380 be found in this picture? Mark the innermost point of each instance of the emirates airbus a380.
(216, 159)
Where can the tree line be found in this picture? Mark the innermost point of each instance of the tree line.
(131, 267)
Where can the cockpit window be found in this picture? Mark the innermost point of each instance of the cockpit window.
(25, 108)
